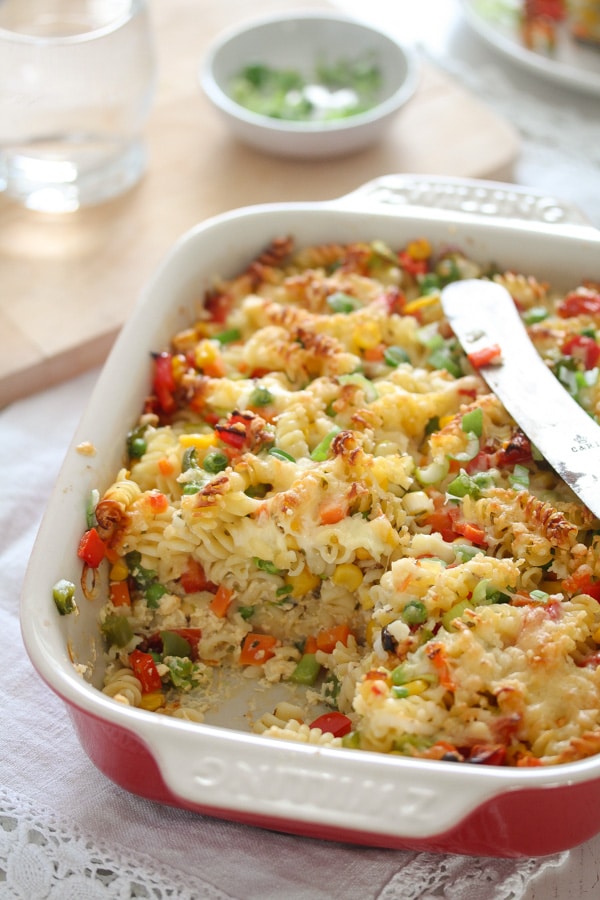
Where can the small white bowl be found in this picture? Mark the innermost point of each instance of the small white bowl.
(298, 41)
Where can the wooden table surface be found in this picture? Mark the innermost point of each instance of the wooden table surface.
(70, 280)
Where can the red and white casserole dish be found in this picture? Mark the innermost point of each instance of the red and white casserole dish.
(218, 769)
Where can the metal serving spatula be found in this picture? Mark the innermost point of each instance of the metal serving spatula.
(482, 314)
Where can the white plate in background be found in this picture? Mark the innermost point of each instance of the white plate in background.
(571, 64)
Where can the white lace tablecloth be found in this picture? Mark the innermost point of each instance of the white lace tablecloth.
(66, 833)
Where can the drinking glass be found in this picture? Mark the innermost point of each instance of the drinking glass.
(77, 81)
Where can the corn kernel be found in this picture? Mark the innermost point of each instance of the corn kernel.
(200, 441)
(418, 686)
(445, 420)
(205, 353)
(303, 583)
(368, 336)
(596, 635)
(365, 599)
(178, 366)
(419, 249)
(372, 631)
(119, 571)
(421, 303)
(348, 575)
(361, 553)
(152, 701)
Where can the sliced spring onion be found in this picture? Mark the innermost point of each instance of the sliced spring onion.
(480, 591)
(464, 486)
(395, 355)
(189, 459)
(470, 451)
(519, 478)
(63, 594)
(90, 510)
(281, 454)
(443, 359)
(540, 596)
(430, 283)
(266, 565)
(454, 613)
(433, 473)
(307, 670)
(534, 315)
(472, 421)
(360, 381)
(321, 451)
(342, 303)
(228, 336)
(260, 396)
(465, 552)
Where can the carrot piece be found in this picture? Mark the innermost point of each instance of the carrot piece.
(327, 638)
(216, 368)
(374, 354)
(333, 511)
(119, 593)
(437, 655)
(112, 555)
(157, 501)
(257, 649)
(310, 645)
(165, 466)
(221, 602)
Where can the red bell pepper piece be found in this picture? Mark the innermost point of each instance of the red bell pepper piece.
(334, 723)
(473, 533)
(518, 450)
(579, 303)
(582, 583)
(92, 548)
(485, 356)
(410, 265)
(194, 579)
(218, 306)
(163, 383)
(144, 668)
(488, 754)
(584, 348)
(442, 521)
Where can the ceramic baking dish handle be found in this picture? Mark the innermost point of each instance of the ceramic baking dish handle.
(229, 771)
(466, 196)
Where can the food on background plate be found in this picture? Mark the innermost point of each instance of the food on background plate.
(542, 19)
(334, 91)
(322, 493)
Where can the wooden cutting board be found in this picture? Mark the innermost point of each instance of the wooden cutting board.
(69, 281)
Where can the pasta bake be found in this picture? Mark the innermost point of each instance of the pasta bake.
(321, 493)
